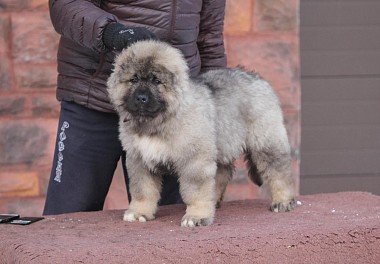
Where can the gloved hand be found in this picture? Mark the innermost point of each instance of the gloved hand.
(116, 36)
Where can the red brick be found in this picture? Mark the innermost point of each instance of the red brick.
(18, 184)
(238, 18)
(39, 4)
(36, 76)
(34, 151)
(292, 123)
(44, 177)
(276, 15)
(45, 106)
(49, 125)
(241, 191)
(275, 60)
(5, 72)
(5, 27)
(34, 39)
(23, 206)
(18, 5)
(240, 175)
(5, 65)
(11, 105)
(10, 5)
(296, 174)
(43, 164)
(21, 142)
(117, 197)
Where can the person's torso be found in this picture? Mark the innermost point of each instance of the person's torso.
(83, 72)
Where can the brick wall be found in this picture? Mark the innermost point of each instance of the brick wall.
(261, 35)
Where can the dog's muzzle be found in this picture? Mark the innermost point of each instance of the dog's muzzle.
(141, 98)
(143, 103)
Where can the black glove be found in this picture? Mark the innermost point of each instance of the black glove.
(116, 36)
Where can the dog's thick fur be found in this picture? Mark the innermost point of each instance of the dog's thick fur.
(195, 129)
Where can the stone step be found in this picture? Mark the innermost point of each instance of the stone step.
(324, 228)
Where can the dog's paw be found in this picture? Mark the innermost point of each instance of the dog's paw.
(131, 216)
(192, 221)
(283, 206)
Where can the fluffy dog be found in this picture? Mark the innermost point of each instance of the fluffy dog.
(195, 129)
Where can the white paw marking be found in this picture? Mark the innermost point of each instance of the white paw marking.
(130, 217)
(188, 223)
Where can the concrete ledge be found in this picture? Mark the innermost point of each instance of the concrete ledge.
(326, 228)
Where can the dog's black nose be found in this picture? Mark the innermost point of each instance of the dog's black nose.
(142, 98)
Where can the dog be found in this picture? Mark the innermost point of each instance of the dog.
(195, 128)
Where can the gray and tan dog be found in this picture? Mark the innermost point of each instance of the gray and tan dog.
(195, 129)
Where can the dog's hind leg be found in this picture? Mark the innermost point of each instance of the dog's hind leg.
(269, 163)
(222, 178)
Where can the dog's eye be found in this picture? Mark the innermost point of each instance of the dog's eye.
(155, 80)
(134, 79)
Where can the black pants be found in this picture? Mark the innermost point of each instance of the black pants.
(85, 158)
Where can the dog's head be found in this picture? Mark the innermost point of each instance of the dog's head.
(148, 80)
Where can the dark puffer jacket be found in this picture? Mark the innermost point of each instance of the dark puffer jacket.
(84, 63)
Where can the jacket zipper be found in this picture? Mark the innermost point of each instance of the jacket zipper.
(172, 22)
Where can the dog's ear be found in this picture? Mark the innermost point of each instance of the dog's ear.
(123, 60)
(116, 76)
(111, 82)
(174, 61)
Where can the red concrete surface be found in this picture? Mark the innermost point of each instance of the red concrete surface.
(325, 228)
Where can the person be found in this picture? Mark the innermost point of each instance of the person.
(92, 33)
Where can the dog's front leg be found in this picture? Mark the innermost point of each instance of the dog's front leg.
(197, 187)
(145, 192)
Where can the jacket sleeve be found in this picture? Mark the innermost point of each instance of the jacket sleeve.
(210, 39)
(82, 21)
